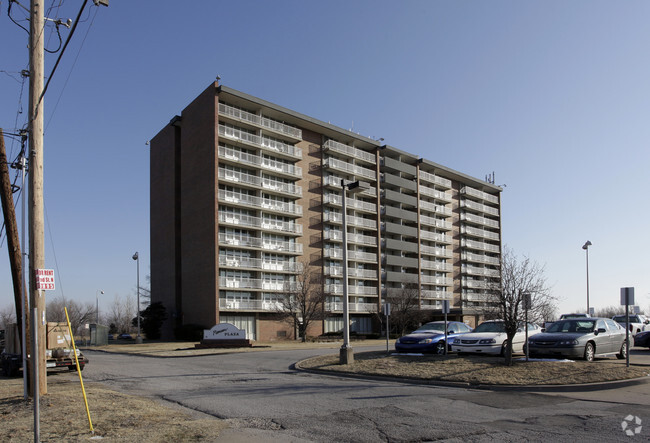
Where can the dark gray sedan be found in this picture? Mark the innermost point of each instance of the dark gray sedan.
(580, 338)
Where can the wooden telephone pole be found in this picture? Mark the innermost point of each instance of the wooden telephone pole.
(36, 218)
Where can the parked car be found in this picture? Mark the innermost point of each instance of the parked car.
(124, 337)
(490, 338)
(642, 339)
(638, 322)
(575, 315)
(430, 337)
(580, 338)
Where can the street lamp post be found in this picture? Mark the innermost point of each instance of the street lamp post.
(586, 248)
(346, 354)
(135, 257)
(97, 305)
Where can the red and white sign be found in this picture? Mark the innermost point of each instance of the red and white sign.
(45, 279)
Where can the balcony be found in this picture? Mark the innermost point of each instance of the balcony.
(337, 236)
(435, 295)
(437, 252)
(248, 221)
(258, 263)
(333, 181)
(480, 195)
(259, 182)
(434, 193)
(435, 280)
(350, 203)
(477, 219)
(438, 209)
(273, 166)
(431, 178)
(268, 205)
(435, 237)
(358, 154)
(337, 254)
(257, 283)
(264, 122)
(435, 223)
(480, 246)
(352, 307)
(261, 243)
(340, 165)
(249, 305)
(477, 232)
(264, 143)
(337, 271)
(478, 207)
(352, 290)
(332, 217)
(478, 284)
(480, 258)
(436, 266)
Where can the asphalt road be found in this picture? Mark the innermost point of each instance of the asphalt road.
(265, 400)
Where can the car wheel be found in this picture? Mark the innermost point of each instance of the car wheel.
(623, 353)
(589, 352)
(503, 348)
(440, 348)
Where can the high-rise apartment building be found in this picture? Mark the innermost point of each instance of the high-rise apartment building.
(243, 192)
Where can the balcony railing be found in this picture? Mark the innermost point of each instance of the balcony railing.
(436, 266)
(480, 258)
(262, 243)
(480, 194)
(478, 207)
(235, 198)
(254, 180)
(337, 271)
(431, 207)
(477, 219)
(352, 290)
(337, 236)
(261, 223)
(258, 263)
(434, 193)
(260, 142)
(475, 270)
(435, 237)
(350, 203)
(257, 283)
(477, 232)
(249, 305)
(259, 120)
(332, 217)
(352, 307)
(435, 280)
(435, 222)
(438, 252)
(337, 253)
(471, 244)
(261, 162)
(340, 165)
(350, 151)
(431, 178)
(333, 181)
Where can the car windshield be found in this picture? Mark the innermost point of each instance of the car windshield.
(431, 327)
(491, 326)
(575, 325)
(621, 319)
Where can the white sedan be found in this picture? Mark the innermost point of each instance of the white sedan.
(490, 338)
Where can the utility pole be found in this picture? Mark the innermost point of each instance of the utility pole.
(36, 219)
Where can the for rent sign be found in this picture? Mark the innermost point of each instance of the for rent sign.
(45, 279)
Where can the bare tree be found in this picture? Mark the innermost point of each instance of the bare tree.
(78, 313)
(304, 303)
(610, 311)
(120, 314)
(405, 312)
(519, 276)
(7, 316)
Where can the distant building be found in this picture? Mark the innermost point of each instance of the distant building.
(243, 190)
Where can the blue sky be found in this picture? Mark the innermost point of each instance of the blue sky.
(552, 96)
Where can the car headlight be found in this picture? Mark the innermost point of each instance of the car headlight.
(398, 340)
(567, 342)
(487, 341)
(426, 341)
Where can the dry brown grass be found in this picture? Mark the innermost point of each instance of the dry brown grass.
(115, 416)
(478, 369)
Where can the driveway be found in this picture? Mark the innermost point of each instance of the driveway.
(264, 399)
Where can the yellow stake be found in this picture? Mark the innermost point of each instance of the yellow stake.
(76, 359)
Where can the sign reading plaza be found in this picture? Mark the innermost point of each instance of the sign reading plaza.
(45, 279)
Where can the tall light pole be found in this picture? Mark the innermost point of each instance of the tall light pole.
(586, 248)
(97, 292)
(135, 257)
(346, 354)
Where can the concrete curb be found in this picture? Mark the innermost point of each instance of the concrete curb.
(585, 387)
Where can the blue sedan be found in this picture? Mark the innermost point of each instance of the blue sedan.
(430, 337)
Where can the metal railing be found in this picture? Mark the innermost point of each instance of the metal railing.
(259, 120)
(258, 202)
(261, 162)
(350, 150)
(432, 178)
(257, 222)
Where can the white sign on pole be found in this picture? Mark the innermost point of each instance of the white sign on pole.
(627, 296)
(45, 279)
